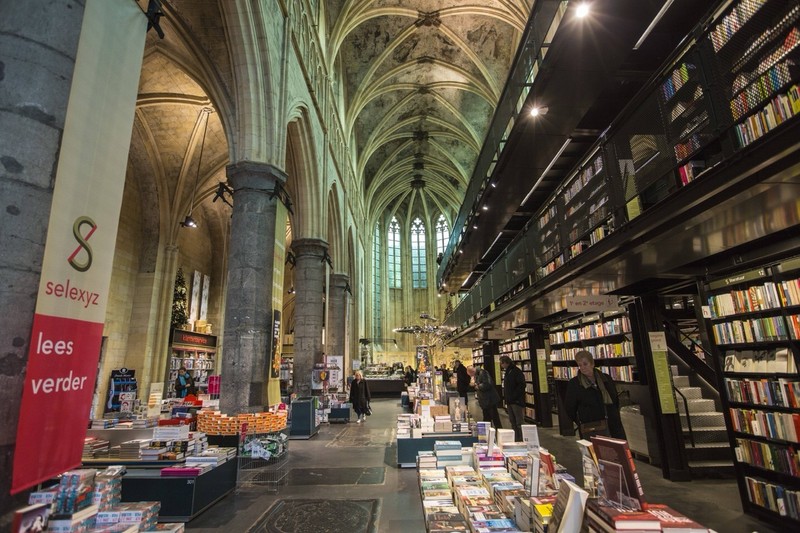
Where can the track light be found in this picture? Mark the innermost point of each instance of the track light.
(582, 10)
(538, 111)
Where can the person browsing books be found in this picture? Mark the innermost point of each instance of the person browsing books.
(487, 395)
(514, 394)
(462, 380)
(359, 396)
(592, 401)
(184, 383)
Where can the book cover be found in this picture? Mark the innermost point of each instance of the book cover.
(591, 470)
(568, 510)
(618, 472)
(621, 519)
(31, 519)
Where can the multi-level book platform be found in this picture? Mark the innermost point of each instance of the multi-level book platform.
(607, 336)
(757, 43)
(197, 352)
(754, 322)
(577, 216)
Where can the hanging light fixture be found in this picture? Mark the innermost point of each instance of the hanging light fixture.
(190, 222)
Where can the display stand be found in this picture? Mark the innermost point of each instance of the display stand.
(408, 449)
(182, 498)
(304, 424)
(197, 352)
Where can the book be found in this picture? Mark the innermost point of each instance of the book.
(30, 519)
(591, 469)
(568, 509)
(672, 521)
(618, 472)
(619, 519)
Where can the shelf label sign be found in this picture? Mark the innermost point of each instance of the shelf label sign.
(67, 329)
(541, 369)
(658, 348)
(589, 304)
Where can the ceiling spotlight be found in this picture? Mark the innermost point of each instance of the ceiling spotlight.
(582, 10)
(474, 226)
(461, 251)
(493, 184)
(539, 110)
(485, 207)
(189, 222)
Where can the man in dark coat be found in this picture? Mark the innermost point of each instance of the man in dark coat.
(514, 395)
(462, 380)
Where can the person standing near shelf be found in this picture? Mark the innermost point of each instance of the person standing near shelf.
(462, 380)
(514, 394)
(184, 383)
(592, 401)
(410, 376)
(487, 395)
(359, 396)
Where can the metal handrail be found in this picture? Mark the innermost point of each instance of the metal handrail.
(688, 418)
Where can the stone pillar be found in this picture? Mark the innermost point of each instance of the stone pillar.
(38, 45)
(248, 303)
(336, 325)
(309, 282)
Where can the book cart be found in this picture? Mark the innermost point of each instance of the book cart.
(263, 459)
(607, 336)
(753, 319)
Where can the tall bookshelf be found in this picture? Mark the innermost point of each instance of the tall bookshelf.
(607, 336)
(753, 319)
(757, 45)
(197, 352)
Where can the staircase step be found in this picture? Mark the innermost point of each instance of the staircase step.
(702, 419)
(691, 393)
(712, 469)
(715, 434)
(681, 381)
(710, 452)
(697, 406)
(674, 370)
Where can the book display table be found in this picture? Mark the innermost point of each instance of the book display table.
(407, 449)
(182, 498)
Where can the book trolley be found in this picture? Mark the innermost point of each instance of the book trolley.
(263, 459)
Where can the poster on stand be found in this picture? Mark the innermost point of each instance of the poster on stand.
(336, 375)
(69, 317)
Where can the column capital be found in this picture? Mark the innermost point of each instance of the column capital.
(255, 175)
(339, 280)
(312, 247)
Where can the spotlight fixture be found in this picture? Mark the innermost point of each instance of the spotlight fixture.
(189, 222)
(537, 111)
(474, 226)
(493, 184)
(485, 207)
(582, 11)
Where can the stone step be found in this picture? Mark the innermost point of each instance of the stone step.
(681, 381)
(702, 419)
(697, 406)
(691, 393)
(674, 370)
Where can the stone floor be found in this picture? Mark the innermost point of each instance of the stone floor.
(359, 488)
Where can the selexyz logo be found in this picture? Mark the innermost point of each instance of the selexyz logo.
(83, 243)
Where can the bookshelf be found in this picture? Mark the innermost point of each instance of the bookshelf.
(523, 350)
(686, 112)
(751, 317)
(607, 336)
(197, 352)
(757, 44)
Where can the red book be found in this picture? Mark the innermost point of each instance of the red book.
(620, 519)
(672, 521)
(618, 472)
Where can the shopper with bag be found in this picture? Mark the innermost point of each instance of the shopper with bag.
(359, 397)
(592, 401)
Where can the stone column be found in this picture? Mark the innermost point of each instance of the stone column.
(335, 327)
(38, 45)
(309, 280)
(248, 303)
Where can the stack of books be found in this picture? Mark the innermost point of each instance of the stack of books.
(448, 453)
(153, 451)
(107, 489)
(192, 470)
(442, 424)
(171, 432)
(103, 423)
(426, 459)
(141, 423)
(132, 449)
(605, 517)
(94, 447)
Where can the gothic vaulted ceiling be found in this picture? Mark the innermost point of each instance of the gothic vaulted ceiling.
(420, 80)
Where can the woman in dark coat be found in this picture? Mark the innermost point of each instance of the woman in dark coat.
(592, 397)
(359, 396)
